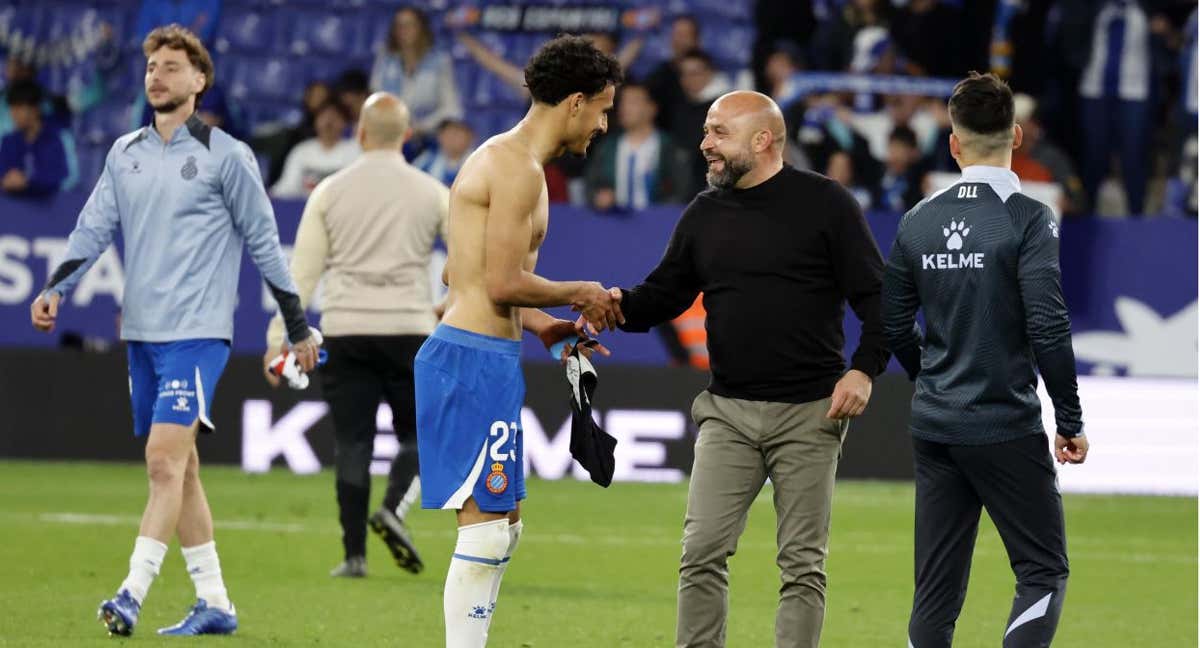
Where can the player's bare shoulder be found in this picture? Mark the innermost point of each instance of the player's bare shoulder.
(501, 161)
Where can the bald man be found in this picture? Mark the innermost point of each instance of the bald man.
(368, 232)
(777, 253)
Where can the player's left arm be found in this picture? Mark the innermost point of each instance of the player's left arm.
(254, 219)
(858, 270)
(1047, 321)
(900, 304)
(309, 259)
(97, 225)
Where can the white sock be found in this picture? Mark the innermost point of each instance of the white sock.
(468, 605)
(205, 569)
(144, 563)
(514, 536)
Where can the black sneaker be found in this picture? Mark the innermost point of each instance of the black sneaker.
(395, 535)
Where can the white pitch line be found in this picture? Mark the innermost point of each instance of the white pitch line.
(130, 520)
(842, 547)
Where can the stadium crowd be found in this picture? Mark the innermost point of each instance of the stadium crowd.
(1106, 91)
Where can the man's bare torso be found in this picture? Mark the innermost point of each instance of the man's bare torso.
(502, 159)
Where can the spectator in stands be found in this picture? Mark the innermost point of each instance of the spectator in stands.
(898, 110)
(409, 67)
(314, 159)
(783, 64)
(606, 42)
(565, 175)
(455, 141)
(776, 22)
(937, 152)
(841, 169)
(838, 24)
(900, 188)
(514, 75)
(316, 94)
(701, 86)
(1116, 109)
(664, 80)
(639, 167)
(1180, 195)
(199, 16)
(36, 159)
(55, 110)
(928, 34)
(352, 88)
(507, 71)
(821, 126)
(1039, 160)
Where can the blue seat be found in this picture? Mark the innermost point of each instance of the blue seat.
(486, 92)
(320, 68)
(262, 113)
(327, 33)
(723, 9)
(489, 121)
(378, 19)
(262, 78)
(465, 74)
(104, 123)
(247, 30)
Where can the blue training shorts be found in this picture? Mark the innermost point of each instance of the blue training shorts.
(469, 390)
(174, 382)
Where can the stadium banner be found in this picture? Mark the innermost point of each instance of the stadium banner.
(75, 406)
(522, 17)
(1131, 285)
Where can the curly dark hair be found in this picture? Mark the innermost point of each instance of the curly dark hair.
(569, 64)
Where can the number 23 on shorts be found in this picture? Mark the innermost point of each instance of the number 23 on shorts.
(501, 432)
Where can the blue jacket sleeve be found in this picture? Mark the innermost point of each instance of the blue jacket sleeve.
(1047, 322)
(92, 235)
(254, 218)
(10, 156)
(900, 303)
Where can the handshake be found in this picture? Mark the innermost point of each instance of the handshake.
(600, 307)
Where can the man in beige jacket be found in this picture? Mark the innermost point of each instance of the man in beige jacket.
(367, 235)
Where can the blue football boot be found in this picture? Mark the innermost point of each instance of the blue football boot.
(202, 619)
(119, 614)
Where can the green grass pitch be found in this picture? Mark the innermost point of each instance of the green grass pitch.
(595, 568)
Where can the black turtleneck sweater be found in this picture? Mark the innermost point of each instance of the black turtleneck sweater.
(776, 262)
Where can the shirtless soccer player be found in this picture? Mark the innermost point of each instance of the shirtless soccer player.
(469, 386)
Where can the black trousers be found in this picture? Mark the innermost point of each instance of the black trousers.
(362, 371)
(1017, 484)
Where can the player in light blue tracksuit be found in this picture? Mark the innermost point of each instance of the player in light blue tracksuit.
(186, 198)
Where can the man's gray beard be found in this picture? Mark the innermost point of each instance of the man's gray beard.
(734, 170)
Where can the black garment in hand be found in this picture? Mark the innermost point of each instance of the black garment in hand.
(591, 446)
